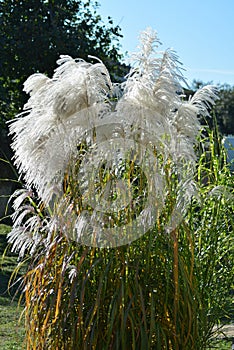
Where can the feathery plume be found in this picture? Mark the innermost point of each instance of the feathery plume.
(71, 128)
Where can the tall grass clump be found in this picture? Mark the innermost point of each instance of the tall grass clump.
(126, 212)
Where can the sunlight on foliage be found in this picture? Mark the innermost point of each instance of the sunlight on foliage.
(152, 268)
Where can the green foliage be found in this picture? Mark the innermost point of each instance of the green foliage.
(12, 332)
(220, 345)
(8, 180)
(223, 109)
(212, 224)
(34, 33)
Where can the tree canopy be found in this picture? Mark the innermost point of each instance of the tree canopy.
(33, 33)
(223, 111)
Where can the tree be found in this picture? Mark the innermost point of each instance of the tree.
(223, 109)
(33, 33)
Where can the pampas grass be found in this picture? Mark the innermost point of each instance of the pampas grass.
(165, 287)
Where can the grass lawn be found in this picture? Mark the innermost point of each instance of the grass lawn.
(11, 330)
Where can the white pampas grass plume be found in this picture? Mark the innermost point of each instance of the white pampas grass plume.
(78, 106)
(58, 111)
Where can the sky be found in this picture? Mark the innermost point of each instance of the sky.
(200, 31)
